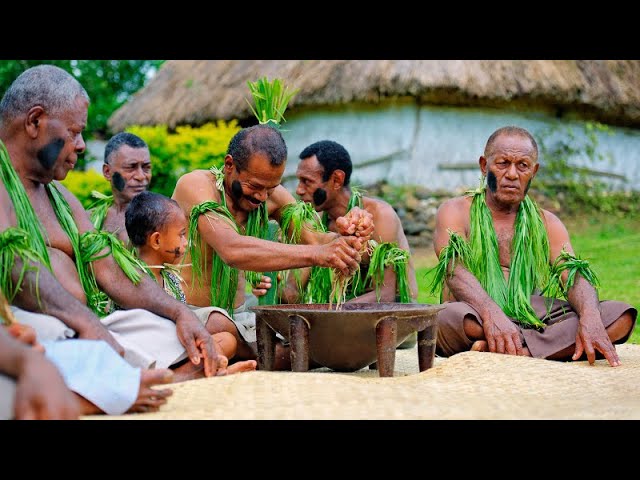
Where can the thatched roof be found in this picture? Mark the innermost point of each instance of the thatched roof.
(197, 91)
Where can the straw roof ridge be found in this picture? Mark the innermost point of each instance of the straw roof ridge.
(197, 91)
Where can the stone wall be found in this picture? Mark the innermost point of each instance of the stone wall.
(416, 206)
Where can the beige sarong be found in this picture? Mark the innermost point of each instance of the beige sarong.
(559, 333)
(243, 318)
(203, 312)
(149, 341)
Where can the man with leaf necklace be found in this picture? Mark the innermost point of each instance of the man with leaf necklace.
(42, 116)
(496, 249)
(229, 209)
(127, 167)
(387, 273)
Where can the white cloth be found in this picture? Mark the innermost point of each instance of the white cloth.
(245, 320)
(149, 341)
(93, 370)
(7, 397)
(203, 312)
(46, 326)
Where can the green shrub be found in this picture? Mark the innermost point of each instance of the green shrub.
(580, 188)
(81, 184)
(172, 155)
(189, 148)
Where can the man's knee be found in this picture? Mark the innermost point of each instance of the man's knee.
(219, 323)
(621, 329)
(472, 328)
(227, 343)
(457, 329)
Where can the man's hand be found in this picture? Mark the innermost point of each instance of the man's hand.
(502, 335)
(41, 393)
(197, 341)
(25, 334)
(358, 222)
(341, 253)
(261, 288)
(592, 336)
(97, 331)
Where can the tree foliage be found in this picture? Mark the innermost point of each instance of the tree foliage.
(109, 83)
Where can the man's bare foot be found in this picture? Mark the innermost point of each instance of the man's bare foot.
(480, 346)
(223, 363)
(483, 346)
(151, 399)
(237, 367)
(245, 366)
(188, 371)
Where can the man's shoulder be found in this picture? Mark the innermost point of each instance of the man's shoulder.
(455, 205)
(196, 180)
(195, 176)
(279, 198)
(113, 219)
(378, 207)
(548, 215)
(279, 191)
(551, 219)
(454, 214)
(67, 194)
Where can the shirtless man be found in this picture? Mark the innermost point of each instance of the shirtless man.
(324, 174)
(253, 169)
(42, 116)
(127, 167)
(472, 318)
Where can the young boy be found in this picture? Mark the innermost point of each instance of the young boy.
(157, 228)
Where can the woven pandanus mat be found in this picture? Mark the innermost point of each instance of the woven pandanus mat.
(469, 385)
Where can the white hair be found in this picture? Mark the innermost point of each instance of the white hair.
(48, 86)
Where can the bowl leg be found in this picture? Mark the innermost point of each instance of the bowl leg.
(386, 335)
(266, 339)
(427, 346)
(299, 337)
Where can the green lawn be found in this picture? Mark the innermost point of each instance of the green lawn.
(611, 244)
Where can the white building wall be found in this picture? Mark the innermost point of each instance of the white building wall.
(419, 139)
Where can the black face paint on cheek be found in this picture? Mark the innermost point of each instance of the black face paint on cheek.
(176, 252)
(236, 190)
(118, 181)
(492, 182)
(48, 154)
(319, 196)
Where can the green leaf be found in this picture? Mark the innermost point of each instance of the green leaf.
(270, 100)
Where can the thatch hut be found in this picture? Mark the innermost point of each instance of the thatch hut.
(404, 120)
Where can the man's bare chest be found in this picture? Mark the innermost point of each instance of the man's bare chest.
(55, 236)
(114, 222)
(504, 236)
